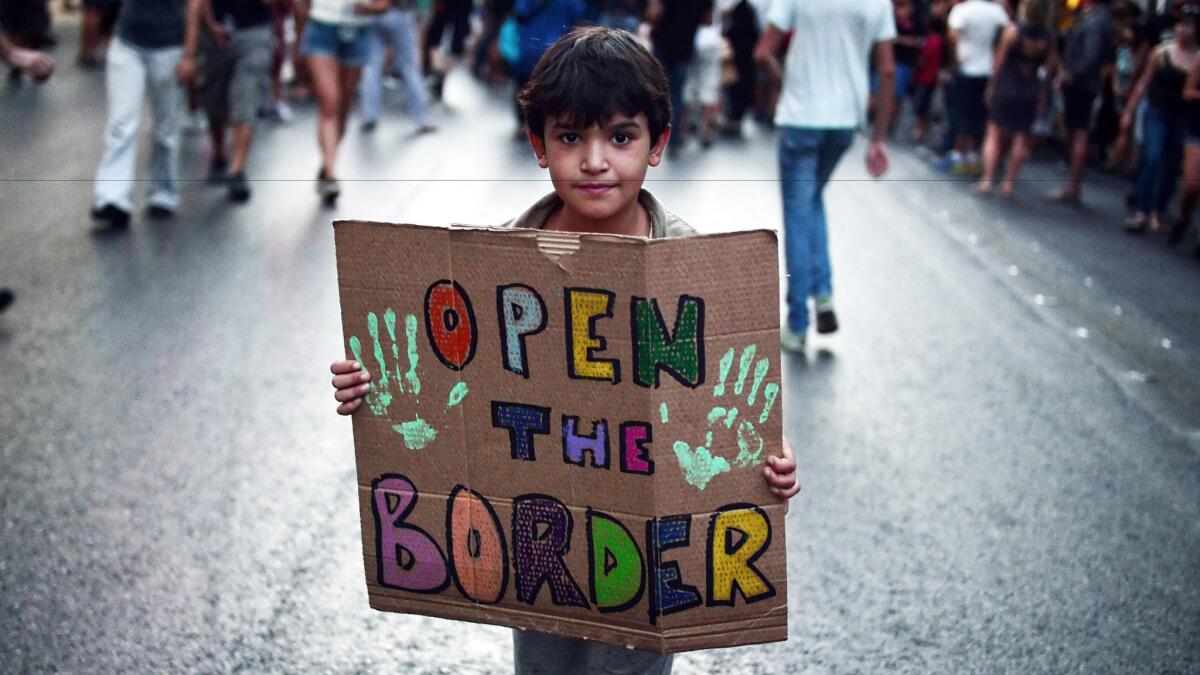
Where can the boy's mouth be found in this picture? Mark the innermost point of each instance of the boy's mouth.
(595, 189)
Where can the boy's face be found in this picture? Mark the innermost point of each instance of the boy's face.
(598, 171)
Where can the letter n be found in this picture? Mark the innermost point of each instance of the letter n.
(679, 353)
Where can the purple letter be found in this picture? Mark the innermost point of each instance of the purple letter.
(407, 556)
(575, 444)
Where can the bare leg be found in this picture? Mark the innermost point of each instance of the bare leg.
(992, 149)
(326, 82)
(349, 84)
(1020, 152)
(243, 134)
(1079, 151)
(1189, 196)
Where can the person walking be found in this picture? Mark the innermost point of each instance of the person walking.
(1014, 94)
(395, 29)
(1164, 123)
(1088, 49)
(234, 83)
(1190, 195)
(142, 62)
(824, 99)
(675, 23)
(336, 44)
(973, 28)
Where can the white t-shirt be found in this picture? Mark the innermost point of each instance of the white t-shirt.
(338, 11)
(977, 22)
(825, 80)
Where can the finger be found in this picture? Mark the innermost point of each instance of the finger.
(349, 407)
(351, 379)
(343, 367)
(352, 393)
(787, 494)
(781, 480)
(782, 464)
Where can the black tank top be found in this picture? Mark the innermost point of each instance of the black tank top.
(1166, 85)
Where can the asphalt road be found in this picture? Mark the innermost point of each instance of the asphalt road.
(999, 449)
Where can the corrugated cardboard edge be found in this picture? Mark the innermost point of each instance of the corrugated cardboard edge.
(771, 627)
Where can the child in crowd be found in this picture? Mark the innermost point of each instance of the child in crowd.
(598, 112)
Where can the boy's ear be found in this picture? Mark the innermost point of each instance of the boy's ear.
(660, 146)
(539, 148)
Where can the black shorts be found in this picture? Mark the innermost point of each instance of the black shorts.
(455, 14)
(968, 112)
(1077, 107)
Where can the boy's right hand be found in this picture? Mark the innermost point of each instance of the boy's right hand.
(351, 382)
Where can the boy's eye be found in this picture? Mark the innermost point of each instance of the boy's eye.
(569, 138)
(622, 139)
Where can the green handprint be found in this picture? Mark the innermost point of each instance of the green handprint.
(417, 433)
(700, 465)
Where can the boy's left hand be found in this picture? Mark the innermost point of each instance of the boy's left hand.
(780, 474)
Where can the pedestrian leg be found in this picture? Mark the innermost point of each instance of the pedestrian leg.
(167, 101)
(125, 86)
(407, 56)
(371, 93)
(833, 145)
(1020, 152)
(798, 159)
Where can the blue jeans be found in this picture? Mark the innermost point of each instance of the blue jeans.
(1162, 153)
(397, 28)
(807, 158)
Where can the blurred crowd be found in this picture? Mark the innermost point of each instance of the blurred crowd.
(979, 84)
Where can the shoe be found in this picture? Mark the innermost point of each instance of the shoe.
(195, 122)
(6, 299)
(429, 129)
(943, 164)
(283, 110)
(328, 189)
(369, 126)
(115, 217)
(239, 188)
(1063, 196)
(792, 342)
(218, 171)
(1136, 224)
(157, 212)
(826, 317)
(967, 169)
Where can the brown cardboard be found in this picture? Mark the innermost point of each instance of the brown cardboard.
(487, 536)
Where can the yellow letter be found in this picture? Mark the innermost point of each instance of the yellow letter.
(736, 538)
(584, 307)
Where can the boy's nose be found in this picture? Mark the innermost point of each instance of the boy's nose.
(594, 160)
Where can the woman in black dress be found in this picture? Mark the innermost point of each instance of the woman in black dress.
(1014, 95)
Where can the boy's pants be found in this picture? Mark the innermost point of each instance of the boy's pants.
(131, 73)
(543, 654)
(399, 29)
(807, 157)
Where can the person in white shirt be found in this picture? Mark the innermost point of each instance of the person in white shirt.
(337, 44)
(824, 99)
(974, 28)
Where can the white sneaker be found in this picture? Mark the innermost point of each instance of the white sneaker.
(792, 342)
(283, 111)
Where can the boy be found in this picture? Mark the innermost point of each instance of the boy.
(599, 116)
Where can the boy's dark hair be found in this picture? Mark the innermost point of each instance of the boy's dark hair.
(591, 74)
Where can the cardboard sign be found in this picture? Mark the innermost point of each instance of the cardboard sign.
(566, 433)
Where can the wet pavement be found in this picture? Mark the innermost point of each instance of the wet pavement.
(1000, 450)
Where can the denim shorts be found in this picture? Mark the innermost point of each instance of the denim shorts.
(349, 45)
